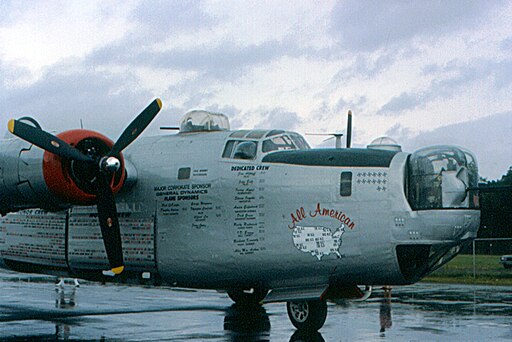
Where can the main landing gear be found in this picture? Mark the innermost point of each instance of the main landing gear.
(306, 316)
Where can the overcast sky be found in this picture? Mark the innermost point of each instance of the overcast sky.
(421, 72)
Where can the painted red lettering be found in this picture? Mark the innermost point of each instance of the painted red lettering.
(300, 214)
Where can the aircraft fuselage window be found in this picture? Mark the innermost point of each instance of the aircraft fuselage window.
(240, 149)
(184, 173)
(299, 141)
(278, 144)
(228, 149)
(346, 184)
(246, 150)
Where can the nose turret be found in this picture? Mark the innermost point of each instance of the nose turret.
(441, 177)
(444, 214)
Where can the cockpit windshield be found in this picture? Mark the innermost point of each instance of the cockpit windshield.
(283, 142)
(442, 177)
(255, 144)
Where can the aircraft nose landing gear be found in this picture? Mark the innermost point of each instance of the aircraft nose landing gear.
(307, 315)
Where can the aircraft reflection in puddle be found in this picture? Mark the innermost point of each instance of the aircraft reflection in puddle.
(420, 312)
(385, 311)
(241, 322)
(251, 323)
(64, 299)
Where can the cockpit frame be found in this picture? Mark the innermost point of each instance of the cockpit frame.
(255, 144)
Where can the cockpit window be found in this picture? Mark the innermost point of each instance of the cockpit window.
(240, 149)
(256, 134)
(299, 141)
(278, 143)
(246, 150)
(289, 141)
(228, 149)
(248, 144)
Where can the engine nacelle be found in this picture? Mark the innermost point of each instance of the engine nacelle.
(33, 178)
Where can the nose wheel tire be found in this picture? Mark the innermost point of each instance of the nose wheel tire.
(307, 315)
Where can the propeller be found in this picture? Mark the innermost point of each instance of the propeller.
(349, 129)
(102, 166)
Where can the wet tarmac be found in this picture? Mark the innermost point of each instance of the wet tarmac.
(32, 309)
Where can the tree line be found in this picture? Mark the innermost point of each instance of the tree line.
(496, 215)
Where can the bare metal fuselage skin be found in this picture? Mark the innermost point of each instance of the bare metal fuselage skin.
(193, 218)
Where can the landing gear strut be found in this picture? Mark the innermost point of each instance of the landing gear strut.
(307, 315)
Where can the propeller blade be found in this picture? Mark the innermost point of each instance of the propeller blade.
(136, 127)
(349, 129)
(46, 141)
(109, 223)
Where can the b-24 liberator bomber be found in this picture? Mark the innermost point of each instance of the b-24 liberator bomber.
(255, 213)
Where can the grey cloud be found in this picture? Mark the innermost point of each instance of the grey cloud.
(404, 101)
(325, 110)
(64, 95)
(502, 72)
(484, 137)
(198, 96)
(266, 118)
(398, 133)
(445, 88)
(279, 118)
(161, 18)
(223, 61)
(339, 110)
(228, 110)
(369, 25)
(10, 10)
(506, 44)
(341, 105)
(365, 67)
(11, 74)
(214, 60)
(226, 59)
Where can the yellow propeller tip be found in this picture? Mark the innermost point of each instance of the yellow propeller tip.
(118, 270)
(159, 102)
(10, 125)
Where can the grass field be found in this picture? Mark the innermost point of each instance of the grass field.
(460, 270)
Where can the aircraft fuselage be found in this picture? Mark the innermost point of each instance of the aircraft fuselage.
(197, 215)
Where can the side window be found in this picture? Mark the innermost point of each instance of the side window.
(299, 142)
(346, 184)
(228, 149)
(240, 149)
(184, 173)
(246, 150)
(277, 144)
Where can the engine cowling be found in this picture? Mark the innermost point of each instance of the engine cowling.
(89, 169)
(33, 178)
(73, 181)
